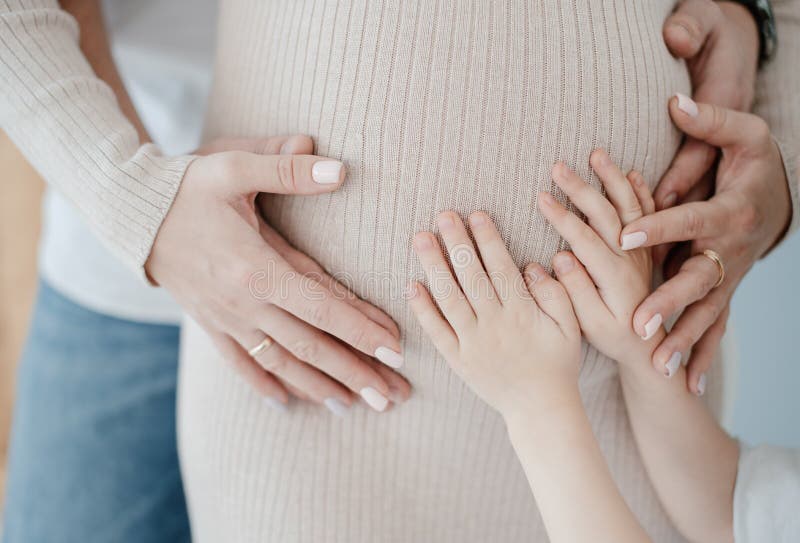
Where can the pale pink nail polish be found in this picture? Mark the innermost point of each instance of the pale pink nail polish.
(374, 399)
(634, 240)
(327, 172)
(389, 357)
(672, 364)
(687, 105)
(652, 326)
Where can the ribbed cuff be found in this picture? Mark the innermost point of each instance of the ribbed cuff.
(133, 237)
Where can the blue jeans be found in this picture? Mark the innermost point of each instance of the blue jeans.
(93, 453)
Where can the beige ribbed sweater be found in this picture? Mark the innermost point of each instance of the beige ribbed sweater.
(433, 105)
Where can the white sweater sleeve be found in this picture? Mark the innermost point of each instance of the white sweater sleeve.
(766, 501)
(68, 124)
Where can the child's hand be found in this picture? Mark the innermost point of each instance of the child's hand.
(512, 337)
(606, 297)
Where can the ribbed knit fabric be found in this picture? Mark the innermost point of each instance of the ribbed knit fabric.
(432, 105)
(67, 123)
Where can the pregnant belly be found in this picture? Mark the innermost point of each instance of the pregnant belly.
(469, 113)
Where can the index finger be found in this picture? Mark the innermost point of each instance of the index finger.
(308, 300)
(690, 221)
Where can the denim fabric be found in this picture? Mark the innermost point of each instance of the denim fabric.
(93, 455)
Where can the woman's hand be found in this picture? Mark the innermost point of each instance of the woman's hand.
(719, 42)
(747, 215)
(511, 338)
(243, 283)
(605, 283)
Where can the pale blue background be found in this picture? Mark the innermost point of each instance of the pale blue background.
(767, 333)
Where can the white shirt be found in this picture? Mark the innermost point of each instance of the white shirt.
(166, 65)
(766, 501)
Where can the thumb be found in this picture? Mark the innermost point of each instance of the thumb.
(717, 125)
(689, 27)
(277, 145)
(249, 173)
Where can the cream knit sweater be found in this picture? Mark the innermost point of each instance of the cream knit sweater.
(433, 105)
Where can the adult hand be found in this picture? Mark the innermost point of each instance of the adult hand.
(245, 284)
(719, 41)
(747, 215)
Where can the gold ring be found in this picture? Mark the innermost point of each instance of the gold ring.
(265, 344)
(716, 259)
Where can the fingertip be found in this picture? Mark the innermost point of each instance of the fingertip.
(479, 219)
(328, 172)
(680, 39)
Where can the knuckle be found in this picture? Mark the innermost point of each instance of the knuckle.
(305, 349)
(692, 223)
(317, 314)
(750, 218)
(286, 173)
(719, 118)
(230, 165)
(358, 337)
(274, 363)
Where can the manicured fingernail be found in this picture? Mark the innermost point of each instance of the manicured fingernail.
(687, 105)
(389, 357)
(701, 385)
(634, 240)
(651, 327)
(672, 364)
(327, 172)
(336, 407)
(563, 264)
(374, 399)
(274, 404)
(669, 200)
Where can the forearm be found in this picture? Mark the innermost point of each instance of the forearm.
(570, 479)
(96, 48)
(68, 123)
(690, 459)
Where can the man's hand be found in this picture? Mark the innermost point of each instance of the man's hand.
(747, 215)
(244, 283)
(719, 42)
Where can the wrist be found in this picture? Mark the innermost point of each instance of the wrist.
(542, 412)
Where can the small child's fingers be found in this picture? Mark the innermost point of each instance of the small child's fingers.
(432, 322)
(445, 290)
(598, 210)
(585, 242)
(472, 278)
(643, 193)
(618, 189)
(586, 301)
(551, 298)
(501, 268)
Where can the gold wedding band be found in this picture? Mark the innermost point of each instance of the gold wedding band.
(265, 344)
(716, 259)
